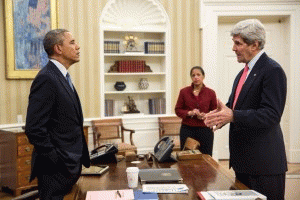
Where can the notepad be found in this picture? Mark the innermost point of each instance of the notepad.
(126, 194)
(165, 188)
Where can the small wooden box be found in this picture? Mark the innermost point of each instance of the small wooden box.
(130, 156)
(189, 155)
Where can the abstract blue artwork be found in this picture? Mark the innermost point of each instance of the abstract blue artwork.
(26, 23)
(31, 23)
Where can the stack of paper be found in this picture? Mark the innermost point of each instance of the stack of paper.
(165, 188)
(231, 195)
(110, 194)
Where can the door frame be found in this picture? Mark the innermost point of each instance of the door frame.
(211, 11)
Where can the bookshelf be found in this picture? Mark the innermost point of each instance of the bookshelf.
(135, 44)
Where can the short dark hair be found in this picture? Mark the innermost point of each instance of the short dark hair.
(52, 38)
(197, 67)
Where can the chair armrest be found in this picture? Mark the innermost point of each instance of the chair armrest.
(161, 132)
(130, 136)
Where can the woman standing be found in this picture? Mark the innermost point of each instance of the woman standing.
(193, 103)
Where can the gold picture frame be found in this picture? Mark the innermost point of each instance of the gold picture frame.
(30, 15)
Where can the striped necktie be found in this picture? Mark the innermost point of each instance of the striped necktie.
(240, 85)
(68, 77)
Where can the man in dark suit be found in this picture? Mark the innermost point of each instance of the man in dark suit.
(254, 110)
(54, 123)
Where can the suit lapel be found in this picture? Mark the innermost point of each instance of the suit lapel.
(73, 94)
(250, 79)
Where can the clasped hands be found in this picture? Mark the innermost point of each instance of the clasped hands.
(219, 117)
(197, 113)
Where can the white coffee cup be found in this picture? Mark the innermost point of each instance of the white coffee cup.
(132, 176)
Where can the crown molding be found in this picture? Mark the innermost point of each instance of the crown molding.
(134, 15)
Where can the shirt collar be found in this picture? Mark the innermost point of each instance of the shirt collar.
(192, 86)
(254, 60)
(60, 66)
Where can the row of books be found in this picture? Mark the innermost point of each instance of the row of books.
(157, 106)
(109, 107)
(154, 47)
(111, 46)
(131, 65)
(149, 47)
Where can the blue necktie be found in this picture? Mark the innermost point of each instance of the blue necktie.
(69, 80)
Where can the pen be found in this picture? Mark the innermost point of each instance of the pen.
(119, 194)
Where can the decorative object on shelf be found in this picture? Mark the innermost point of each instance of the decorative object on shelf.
(143, 84)
(111, 46)
(120, 86)
(130, 66)
(154, 47)
(131, 107)
(130, 43)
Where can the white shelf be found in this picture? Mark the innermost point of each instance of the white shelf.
(135, 74)
(134, 54)
(136, 92)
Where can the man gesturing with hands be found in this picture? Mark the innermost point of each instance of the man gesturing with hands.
(254, 110)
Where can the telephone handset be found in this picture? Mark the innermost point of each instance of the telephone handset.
(104, 154)
(163, 149)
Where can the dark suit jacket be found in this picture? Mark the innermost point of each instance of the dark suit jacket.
(255, 138)
(54, 124)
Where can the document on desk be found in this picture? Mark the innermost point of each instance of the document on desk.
(165, 188)
(231, 195)
(126, 194)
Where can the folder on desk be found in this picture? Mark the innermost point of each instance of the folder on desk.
(162, 175)
(140, 195)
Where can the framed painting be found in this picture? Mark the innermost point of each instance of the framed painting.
(26, 23)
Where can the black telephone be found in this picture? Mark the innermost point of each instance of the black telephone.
(104, 154)
(163, 150)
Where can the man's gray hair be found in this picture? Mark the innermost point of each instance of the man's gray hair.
(250, 30)
(52, 38)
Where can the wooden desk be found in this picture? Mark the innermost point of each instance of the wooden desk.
(199, 175)
(15, 161)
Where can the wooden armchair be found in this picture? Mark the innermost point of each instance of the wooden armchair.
(112, 131)
(170, 126)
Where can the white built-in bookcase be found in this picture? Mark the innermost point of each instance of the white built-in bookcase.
(148, 21)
